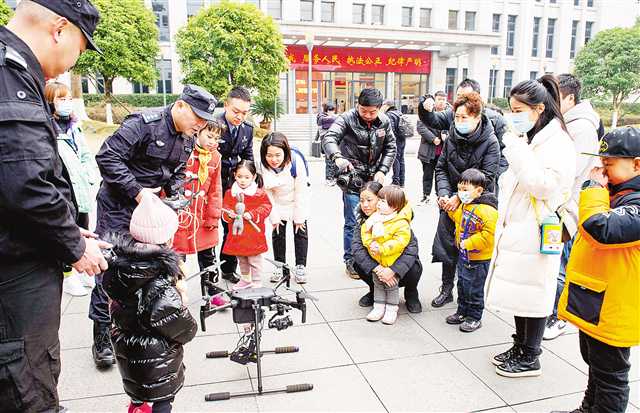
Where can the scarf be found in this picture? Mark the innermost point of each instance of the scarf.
(204, 156)
(375, 223)
(250, 190)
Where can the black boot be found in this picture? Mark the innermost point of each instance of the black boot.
(412, 301)
(526, 364)
(366, 300)
(498, 359)
(101, 349)
(445, 296)
(231, 277)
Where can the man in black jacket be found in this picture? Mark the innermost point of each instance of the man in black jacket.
(363, 147)
(38, 231)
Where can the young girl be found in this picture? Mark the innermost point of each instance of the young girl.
(286, 181)
(246, 239)
(385, 234)
(198, 231)
(82, 167)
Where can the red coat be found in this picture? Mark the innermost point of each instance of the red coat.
(250, 242)
(201, 232)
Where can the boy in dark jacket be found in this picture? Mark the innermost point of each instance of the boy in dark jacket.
(150, 320)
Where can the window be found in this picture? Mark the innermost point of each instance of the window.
(274, 9)
(100, 85)
(140, 88)
(533, 75)
(493, 82)
(588, 32)
(508, 82)
(470, 21)
(328, 12)
(164, 84)
(589, 3)
(85, 84)
(425, 18)
(551, 30)
(495, 50)
(450, 85)
(358, 13)
(13, 4)
(574, 38)
(495, 27)
(306, 10)
(536, 36)
(161, 10)
(193, 7)
(576, 3)
(553, 1)
(453, 19)
(465, 73)
(511, 34)
(407, 16)
(377, 14)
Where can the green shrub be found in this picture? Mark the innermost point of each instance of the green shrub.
(630, 108)
(141, 100)
(502, 103)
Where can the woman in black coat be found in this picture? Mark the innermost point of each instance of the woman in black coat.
(150, 321)
(407, 266)
(472, 143)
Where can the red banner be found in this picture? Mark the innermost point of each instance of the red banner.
(347, 59)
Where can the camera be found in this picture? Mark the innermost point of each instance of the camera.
(351, 179)
(280, 323)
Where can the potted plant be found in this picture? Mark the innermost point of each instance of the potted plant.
(269, 108)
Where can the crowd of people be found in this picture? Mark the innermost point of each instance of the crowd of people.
(539, 217)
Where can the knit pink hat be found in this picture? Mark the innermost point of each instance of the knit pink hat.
(153, 222)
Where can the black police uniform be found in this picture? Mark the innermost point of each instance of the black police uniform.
(233, 148)
(37, 225)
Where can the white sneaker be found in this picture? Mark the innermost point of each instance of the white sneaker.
(377, 313)
(87, 280)
(276, 276)
(300, 275)
(73, 286)
(390, 314)
(554, 328)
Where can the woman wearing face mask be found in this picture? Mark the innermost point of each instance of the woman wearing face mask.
(522, 279)
(80, 164)
(472, 143)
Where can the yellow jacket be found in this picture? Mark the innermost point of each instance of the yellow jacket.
(602, 289)
(483, 215)
(395, 237)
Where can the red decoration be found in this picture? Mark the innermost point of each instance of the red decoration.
(347, 59)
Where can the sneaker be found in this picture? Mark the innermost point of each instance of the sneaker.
(73, 286)
(242, 284)
(390, 314)
(424, 201)
(470, 325)
(377, 313)
(87, 280)
(219, 300)
(300, 275)
(350, 271)
(522, 365)
(498, 359)
(276, 276)
(455, 319)
(366, 300)
(445, 296)
(554, 328)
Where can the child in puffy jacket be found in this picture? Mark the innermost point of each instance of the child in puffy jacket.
(151, 322)
(385, 234)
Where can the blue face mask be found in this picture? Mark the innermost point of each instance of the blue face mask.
(465, 197)
(464, 128)
(64, 108)
(521, 122)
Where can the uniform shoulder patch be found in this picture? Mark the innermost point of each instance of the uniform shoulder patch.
(13, 56)
(149, 117)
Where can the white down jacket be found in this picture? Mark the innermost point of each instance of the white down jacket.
(290, 197)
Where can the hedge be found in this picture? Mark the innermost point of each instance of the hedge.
(141, 100)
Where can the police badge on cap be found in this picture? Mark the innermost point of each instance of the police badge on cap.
(202, 102)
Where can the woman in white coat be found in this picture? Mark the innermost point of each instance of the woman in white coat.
(286, 180)
(522, 280)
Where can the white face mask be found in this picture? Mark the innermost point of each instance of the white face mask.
(64, 108)
(465, 197)
(521, 121)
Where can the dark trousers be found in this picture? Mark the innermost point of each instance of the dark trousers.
(529, 332)
(300, 245)
(608, 385)
(428, 170)
(409, 281)
(30, 295)
(229, 262)
(207, 258)
(448, 276)
(398, 165)
(83, 220)
(471, 278)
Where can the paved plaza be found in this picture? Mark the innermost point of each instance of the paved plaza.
(418, 364)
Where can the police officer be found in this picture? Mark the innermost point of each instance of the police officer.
(236, 144)
(38, 232)
(148, 152)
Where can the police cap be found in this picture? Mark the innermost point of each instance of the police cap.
(202, 102)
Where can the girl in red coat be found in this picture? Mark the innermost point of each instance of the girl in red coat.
(198, 231)
(245, 207)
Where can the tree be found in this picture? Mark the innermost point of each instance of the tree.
(609, 66)
(5, 13)
(230, 45)
(128, 37)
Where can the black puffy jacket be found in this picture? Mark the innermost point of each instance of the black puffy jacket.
(372, 146)
(150, 322)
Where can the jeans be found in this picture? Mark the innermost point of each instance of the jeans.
(608, 385)
(350, 206)
(471, 278)
(383, 294)
(300, 245)
(230, 262)
(428, 170)
(99, 305)
(398, 165)
(562, 274)
(529, 332)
